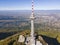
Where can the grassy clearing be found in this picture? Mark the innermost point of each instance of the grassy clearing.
(52, 34)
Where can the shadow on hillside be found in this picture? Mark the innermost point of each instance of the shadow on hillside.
(50, 41)
(4, 35)
(11, 43)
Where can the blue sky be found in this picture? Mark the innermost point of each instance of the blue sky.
(26, 4)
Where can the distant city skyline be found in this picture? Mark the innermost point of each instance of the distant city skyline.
(26, 4)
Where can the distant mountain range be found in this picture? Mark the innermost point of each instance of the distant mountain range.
(19, 12)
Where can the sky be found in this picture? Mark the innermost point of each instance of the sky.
(26, 4)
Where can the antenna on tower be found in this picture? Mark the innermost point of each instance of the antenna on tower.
(32, 8)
